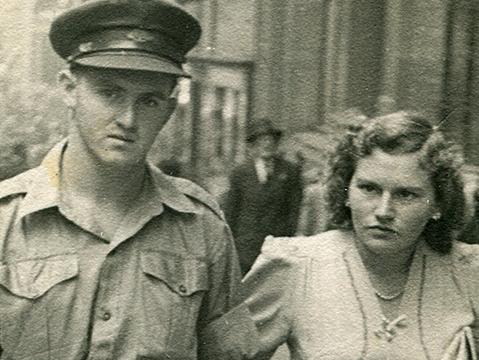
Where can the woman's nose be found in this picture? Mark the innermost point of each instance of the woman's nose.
(385, 209)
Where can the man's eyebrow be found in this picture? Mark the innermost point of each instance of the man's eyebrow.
(156, 93)
(101, 82)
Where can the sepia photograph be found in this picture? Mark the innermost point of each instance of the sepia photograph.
(239, 179)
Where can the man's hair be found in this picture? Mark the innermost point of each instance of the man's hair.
(401, 133)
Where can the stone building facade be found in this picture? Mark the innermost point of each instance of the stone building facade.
(299, 62)
(305, 60)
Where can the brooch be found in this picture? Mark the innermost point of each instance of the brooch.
(389, 327)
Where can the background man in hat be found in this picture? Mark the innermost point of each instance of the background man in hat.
(265, 194)
(103, 256)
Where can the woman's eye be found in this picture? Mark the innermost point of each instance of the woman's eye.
(368, 188)
(406, 195)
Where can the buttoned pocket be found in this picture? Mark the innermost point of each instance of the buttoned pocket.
(182, 275)
(31, 279)
(26, 305)
(173, 290)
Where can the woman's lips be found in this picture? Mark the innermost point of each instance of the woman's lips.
(382, 229)
(122, 138)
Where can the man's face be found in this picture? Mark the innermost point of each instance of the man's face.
(117, 114)
(265, 146)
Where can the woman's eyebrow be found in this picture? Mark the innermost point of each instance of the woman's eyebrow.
(361, 180)
(417, 189)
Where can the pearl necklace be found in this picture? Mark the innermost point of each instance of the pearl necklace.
(388, 297)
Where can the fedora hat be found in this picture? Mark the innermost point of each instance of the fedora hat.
(262, 126)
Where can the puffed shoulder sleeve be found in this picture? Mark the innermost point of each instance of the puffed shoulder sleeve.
(263, 321)
(466, 263)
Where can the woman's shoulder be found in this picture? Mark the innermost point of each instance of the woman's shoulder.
(326, 244)
(465, 255)
(466, 266)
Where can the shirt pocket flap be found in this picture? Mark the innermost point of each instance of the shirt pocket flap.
(184, 276)
(32, 278)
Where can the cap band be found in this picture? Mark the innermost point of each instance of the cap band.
(128, 39)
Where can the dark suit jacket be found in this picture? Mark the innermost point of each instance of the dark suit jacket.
(254, 210)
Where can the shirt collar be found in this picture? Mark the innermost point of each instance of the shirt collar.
(43, 187)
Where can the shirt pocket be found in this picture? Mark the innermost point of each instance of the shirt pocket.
(25, 304)
(173, 290)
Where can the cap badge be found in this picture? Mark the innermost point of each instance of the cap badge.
(140, 36)
(85, 47)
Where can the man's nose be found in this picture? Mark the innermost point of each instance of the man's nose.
(385, 208)
(127, 116)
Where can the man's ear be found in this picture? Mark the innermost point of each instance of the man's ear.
(68, 83)
(171, 106)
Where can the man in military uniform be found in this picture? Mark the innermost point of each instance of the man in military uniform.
(102, 255)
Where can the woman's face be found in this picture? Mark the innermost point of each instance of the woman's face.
(391, 199)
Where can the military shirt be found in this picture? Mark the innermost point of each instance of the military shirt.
(68, 293)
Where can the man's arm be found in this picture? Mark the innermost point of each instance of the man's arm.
(224, 290)
(255, 328)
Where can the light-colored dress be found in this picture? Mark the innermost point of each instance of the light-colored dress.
(314, 294)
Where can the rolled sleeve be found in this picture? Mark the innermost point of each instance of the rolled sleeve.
(263, 321)
(225, 279)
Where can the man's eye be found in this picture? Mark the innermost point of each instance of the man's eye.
(109, 93)
(151, 102)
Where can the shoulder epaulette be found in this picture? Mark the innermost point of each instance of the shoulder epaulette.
(196, 192)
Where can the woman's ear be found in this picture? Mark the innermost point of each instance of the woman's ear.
(68, 83)
(436, 212)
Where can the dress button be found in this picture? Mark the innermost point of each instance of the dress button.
(106, 316)
(182, 289)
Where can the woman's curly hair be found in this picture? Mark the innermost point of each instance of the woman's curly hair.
(401, 133)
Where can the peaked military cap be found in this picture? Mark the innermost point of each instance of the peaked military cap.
(151, 35)
(259, 127)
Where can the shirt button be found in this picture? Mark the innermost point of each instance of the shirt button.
(106, 316)
(182, 289)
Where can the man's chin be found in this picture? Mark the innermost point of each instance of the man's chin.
(119, 159)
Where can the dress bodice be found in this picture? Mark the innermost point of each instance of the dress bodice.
(314, 293)
(340, 307)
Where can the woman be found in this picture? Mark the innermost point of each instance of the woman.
(388, 282)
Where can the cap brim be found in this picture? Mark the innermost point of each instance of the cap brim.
(131, 61)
